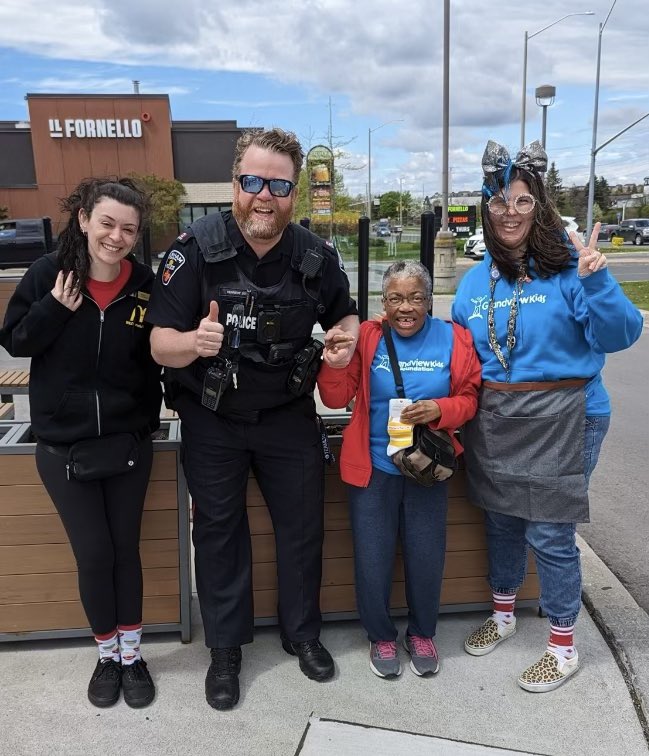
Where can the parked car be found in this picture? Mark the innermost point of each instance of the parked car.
(635, 230)
(474, 246)
(607, 231)
(24, 240)
(383, 231)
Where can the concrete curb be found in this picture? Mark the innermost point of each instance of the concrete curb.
(623, 624)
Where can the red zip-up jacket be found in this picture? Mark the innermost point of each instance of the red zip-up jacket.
(338, 387)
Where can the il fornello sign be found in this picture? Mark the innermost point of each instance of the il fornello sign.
(96, 128)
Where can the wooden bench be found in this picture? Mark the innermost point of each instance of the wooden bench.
(13, 382)
(6, 411)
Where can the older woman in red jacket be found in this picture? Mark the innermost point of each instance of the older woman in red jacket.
(441, 377)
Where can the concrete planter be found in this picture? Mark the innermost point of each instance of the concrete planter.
(38, 579)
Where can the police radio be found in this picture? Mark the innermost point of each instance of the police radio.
(217, 379)
(223, 371)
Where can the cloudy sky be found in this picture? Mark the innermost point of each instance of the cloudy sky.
(378, 62)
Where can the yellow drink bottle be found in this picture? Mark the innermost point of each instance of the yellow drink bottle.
(400, 434)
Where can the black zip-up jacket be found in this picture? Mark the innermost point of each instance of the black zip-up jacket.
(91, 371)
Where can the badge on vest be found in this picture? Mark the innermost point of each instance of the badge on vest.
(174, 262)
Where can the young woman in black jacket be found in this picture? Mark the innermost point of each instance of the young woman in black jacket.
(79, 314)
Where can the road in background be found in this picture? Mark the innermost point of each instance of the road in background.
(619, 487)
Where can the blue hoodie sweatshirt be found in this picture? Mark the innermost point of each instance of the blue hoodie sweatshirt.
(564, 329)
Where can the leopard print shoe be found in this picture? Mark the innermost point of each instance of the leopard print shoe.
(548, 673)
(488, 636)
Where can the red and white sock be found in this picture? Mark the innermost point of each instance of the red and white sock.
(562, 642)
(503, 613)
(129, 643)
(108, 646)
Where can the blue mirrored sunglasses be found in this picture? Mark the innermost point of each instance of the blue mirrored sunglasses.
(254, 184)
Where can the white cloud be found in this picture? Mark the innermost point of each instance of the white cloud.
(386, 58)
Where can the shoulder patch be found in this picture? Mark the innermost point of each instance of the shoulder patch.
(184, 236)
(173, 263)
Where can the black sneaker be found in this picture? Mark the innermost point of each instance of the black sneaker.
(137, 684)
(104, 685)
(315, 661)
(222, 680)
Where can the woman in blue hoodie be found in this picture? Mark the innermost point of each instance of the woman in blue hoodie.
(543, 310)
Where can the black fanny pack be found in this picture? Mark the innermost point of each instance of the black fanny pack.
(103, 457)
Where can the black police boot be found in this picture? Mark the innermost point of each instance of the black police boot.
(222, 680)
(137, 684)
(105, 683)
(315, 660)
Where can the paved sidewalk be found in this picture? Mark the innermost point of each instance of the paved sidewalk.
(471, 706)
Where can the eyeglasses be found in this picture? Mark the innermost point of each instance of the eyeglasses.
(396, 300)
(254, 184)
(523, 204)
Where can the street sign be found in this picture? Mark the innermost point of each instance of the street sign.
(461, 219)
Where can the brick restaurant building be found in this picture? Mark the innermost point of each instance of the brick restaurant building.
(71, 137)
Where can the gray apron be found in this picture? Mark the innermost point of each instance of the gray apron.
(524, 454)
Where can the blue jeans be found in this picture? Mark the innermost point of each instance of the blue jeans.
(553, 544)
(390, 506)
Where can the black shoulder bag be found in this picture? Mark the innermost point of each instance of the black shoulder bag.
(431, 458)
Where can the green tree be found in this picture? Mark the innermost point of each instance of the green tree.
(642, 211)
(391, 202)
(598, 215)
(166, 202)
(602, 193)
(342, 199)
(302, 204)
(553, 184)
(576, 203)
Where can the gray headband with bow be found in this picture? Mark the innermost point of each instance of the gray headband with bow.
(531, 158)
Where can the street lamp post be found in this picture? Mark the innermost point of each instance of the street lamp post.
(591, 188)
(544, 98)
(369, 163)
(528, 37)
(593, 149)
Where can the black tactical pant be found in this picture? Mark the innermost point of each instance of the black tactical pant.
(283, 449)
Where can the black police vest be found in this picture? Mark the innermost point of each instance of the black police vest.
(273, 322)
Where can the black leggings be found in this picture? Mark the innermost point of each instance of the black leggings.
(102, 519)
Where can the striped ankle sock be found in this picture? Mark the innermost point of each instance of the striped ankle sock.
(503, 613)
(561, 641)
(129, 643)
(108, 646)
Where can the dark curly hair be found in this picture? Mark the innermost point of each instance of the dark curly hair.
(73, 244)
(547, 243)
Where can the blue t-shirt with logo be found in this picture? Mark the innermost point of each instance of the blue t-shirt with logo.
(425, 363)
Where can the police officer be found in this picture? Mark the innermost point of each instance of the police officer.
(233, 308)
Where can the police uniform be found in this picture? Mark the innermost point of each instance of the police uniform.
(268, 307)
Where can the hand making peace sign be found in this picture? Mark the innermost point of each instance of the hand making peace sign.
(590, 258)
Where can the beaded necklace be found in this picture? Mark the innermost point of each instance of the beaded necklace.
(510, 341)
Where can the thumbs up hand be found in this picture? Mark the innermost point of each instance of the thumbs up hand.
(209, 334)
